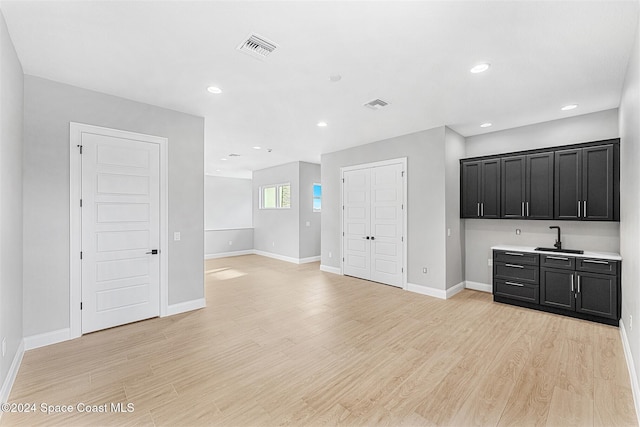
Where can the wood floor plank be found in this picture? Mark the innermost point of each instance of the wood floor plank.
(285, 344)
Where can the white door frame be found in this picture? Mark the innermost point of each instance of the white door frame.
(75, 224)
(403, 162)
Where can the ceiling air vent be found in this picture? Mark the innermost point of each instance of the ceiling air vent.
(234, 155)
(376, 104)
(257, 46)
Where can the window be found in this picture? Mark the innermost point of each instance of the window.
(277, 196)
(317, 197)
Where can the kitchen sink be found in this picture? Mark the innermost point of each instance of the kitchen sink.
(566, 251)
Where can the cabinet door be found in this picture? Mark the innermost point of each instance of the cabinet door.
(597, 295)
(557, 288)
(470, 195)
(490, 200)
(568, 179)
(539, 186)
(513, 186)
(597, 183)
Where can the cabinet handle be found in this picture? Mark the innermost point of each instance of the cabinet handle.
(571, 282)
(578, 208)
(522, 208)
(584, 210)
(514, 253)
(561, 258)
(478, 209)
(514, 265)
(527, 208)
(482, 209)
(595, 261)
(514, 284)
(578, 283)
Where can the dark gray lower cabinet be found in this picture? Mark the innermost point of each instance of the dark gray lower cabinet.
(579, 287)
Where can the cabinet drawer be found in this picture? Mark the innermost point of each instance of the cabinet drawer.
(515, 257)
(603, 266)
(517, 290)
(517, 272)
(558, 261)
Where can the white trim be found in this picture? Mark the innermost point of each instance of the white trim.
(283, 257)
(309, 259)
(455, 289)
(329, 269)
(635, 387)
(228, 229)
(183, 307)
(11, 374)
(47, 338)
(477, 286)
(75, 246)
(229, 254)
(405, 202)
(424, 290)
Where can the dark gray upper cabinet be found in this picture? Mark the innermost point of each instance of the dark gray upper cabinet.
(576, 182)
(480, 182)
(584, 183)
(527, 186)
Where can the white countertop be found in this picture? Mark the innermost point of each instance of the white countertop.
(601, 255)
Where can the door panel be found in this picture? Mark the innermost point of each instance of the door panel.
(120, 224)
(357, 213)
(470, 194)
(568, 171)
(513, 187)
(597, 182)
(490, 201)
(539, 182)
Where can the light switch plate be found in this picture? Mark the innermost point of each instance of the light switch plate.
(176, 236)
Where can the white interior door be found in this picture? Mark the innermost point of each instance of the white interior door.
(120, 228)
(357, 223)
(373, 223)
(387, 224)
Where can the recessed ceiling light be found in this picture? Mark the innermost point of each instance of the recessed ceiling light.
(223, 159)
(217, 170)
(480, 68)
(334, 78)
(257, 148)
(322, 124)
(485, 125)
(214, 89)
(569, 107)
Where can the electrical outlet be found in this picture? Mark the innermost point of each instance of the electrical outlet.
(230, 242)
(330, 254)
(448, 232)
(424, 270)
(4, 346)
(308, 223)
(490, 262)
(518, 231)
(176, 236)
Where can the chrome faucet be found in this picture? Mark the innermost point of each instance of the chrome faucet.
(558, 243)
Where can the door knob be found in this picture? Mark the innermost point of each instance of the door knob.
(153, 252)
(373, 238)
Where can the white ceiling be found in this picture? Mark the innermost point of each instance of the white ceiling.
(416, 55)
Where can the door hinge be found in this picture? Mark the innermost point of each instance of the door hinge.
(80, 255)
(343, 233)
(403, 173)
(343, 180)
(402, 207)
(80, 147)
(342, 259)
(402, 269)
(402, 238)
(80, 202)
(342, 207)
(80, 306)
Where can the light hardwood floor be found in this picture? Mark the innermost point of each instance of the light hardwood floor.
(282, 344)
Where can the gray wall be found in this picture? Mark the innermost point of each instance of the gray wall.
(630, 199)
(426, 211)
(276, 230)
(48, 109)
(309, 234)
(11, 143)
(227, 203)
(454, 151)
(480, 235)
(229, 240)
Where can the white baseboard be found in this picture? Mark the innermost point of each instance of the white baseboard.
(424, 290)
(287, 258)
(47, 338)
(228, 254)
(329, 269)
(454, 290)
(635, 387)
(477, 286)
(11, 374)
(309, 259)
(183, 307)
